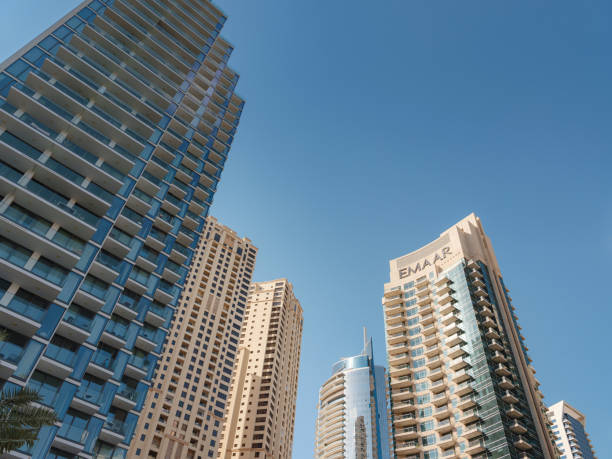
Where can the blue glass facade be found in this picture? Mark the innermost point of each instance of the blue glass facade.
(114, 129)
(364, 430)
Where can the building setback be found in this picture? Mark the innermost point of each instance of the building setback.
(261, 415)
(462, 384)
(183, 414)
(115, 125)
(568, 425)
(352, 413)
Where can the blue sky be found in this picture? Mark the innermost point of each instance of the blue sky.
(371, 127)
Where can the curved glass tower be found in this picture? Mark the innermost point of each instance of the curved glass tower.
(352, 411)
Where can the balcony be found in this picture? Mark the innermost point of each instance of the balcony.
(475, 273)
(461, 376)
(404, 419)
(434, 362)
(477, 282)
(443, 289)
(506, 383)
(421, 282)
(446, 441)
(438, 386)
(423, 291)
(518, 428)
(429, 329)
(455, 340)
(502, 370)
(11, 352)
(446, 298)
(407, 447)
(399, 370)
(459, 363)
(24, 313)
(486, 311)
(471, 431)
(398, 349)
(126, 397)
(444, 426)
(404, 407)
(394, 292)
(463, 389)
(514, 412)
(491, 333)
(498, 357)
(442, 412)
(88, 397)
(402, 381)
(482, 301)
(509, 397)
(466, 402)
(440, 399)
(475, 447)
(456, 351)
(430, 340)
(424, 300)
(435, 374)
(113, 431)
(522, 443)
(398, 359)
(397, 337)
(451, 329)
(469, 416)
(430, 351)
(450, 318)
(406, 433)
(447, 308)
(395, 318)
(57, 360)
(426, 309)
(401, 394)
(427, 319)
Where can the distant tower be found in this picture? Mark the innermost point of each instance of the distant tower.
(352, 410)
(569, 425)
(261, 414)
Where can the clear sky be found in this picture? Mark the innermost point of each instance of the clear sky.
(371, 127)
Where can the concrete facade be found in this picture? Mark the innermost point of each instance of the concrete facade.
(569, 427)
(261, 415)
(184, 410)
(462, 384)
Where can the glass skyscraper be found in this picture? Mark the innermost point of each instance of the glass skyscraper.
(352, 419)
(115, 125)
(462, 383)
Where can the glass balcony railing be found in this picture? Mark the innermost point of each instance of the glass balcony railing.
(121, 236)
(116, 426)
(91, 393)
(78, 318)
(103, 359)
(118, 329)
(61, 354)
(131, 393)
(11, 351)
(28, 305)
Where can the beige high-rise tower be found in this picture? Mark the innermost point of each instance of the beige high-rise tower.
(261, 414)
(185, 407)
(462, 384)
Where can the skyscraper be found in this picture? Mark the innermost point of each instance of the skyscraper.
(352, 420)
(261, 414)
(568, 425)
(115, 124)
(460, 376)
(184, 410)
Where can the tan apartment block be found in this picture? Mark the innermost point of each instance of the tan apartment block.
(461, 381)
(185, 407)
(261, 415)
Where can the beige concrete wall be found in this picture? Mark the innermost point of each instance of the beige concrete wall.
(261, 418)
(178, 418)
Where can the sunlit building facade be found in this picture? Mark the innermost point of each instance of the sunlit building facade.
(352, 413)
(569, 427)
(115, 125)
(461, 381)
(261, 416)
(184, 410)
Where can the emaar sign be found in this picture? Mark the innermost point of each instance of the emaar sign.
(414, 269)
